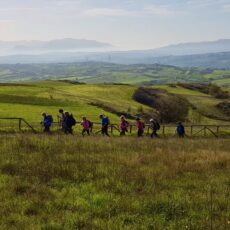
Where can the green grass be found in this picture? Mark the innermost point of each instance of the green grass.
(179, 90)
(58, 182)
(29, 100)
(97, 73)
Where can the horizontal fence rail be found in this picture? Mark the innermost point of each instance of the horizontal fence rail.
(21, 125)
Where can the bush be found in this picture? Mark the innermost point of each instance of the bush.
(217, 92)
(212, 89)
(171, 108)
(225, 107)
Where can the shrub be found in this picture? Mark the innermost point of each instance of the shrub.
(225, 107)
(170, 108)
(217, 92)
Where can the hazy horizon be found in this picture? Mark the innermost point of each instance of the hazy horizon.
(126, 24)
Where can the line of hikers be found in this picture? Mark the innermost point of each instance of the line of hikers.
(66, 122)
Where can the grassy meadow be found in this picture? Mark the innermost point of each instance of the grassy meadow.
(63, 182)
(54, 182)
(29, 100)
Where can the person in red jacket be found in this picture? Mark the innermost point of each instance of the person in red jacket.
(86, 126)
(123, 126)
(140, 127)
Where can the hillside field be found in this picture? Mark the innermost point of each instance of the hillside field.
(29, 100)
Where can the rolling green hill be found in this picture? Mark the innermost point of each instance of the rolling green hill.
(29, 100)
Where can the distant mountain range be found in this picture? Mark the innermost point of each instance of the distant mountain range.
(213, 54)
(222, 45)
(59, 45)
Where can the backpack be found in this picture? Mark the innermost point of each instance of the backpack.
(72, 120)
(90, 124)
(158, 126)
(50, 118)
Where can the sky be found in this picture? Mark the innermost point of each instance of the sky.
(126, 24)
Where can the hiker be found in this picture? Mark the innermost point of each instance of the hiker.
(123, 126)
(86, 124)
(155, 126)
(69, 122)
(140, 127)
(47, 122)
(61, 118)
(180, 130)
(104, 125)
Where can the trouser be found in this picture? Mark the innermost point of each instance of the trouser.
(68, 130)
(85, 131)
(154, 134)
(140, 132)
(46, 129)
(122, 132)
(104, 130)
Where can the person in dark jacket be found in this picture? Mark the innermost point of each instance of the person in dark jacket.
(180, 130)
(155, 126)
(68, 123)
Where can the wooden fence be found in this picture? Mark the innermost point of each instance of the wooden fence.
(193, 130)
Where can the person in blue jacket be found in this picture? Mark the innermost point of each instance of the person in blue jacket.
(104, 125)
(47, 122)
(180, 130)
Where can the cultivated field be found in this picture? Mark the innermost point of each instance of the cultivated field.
(63, 182)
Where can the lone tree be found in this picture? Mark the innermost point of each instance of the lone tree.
(172, 108)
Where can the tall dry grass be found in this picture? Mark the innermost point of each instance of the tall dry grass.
(65, 182)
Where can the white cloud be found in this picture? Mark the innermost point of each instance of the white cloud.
(18, 9)
(161, 10)
(226, 8)
(158, 10)
(107, 12)
(206, 3)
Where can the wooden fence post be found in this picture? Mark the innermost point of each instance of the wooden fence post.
(191, 131)
(20, 124)
(148, 130)
(131, 128)
(111, 129)
(217, 130)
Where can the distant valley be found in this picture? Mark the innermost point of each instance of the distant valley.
(214, 54)
(100, 73)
